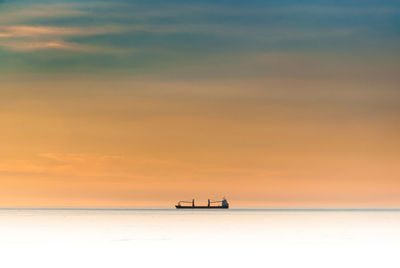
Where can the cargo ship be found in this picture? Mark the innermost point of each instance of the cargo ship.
(220, 204)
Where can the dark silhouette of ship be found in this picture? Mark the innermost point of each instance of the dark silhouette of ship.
(220, 204)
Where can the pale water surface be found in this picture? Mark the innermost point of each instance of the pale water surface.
(201, 238)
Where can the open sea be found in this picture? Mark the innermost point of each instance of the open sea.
(201, 238)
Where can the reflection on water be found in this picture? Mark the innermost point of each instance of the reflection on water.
(186, 238)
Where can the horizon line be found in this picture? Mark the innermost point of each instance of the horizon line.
(234, 208)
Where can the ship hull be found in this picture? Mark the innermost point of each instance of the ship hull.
(200, 207)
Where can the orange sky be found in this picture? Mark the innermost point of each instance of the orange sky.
(259, 142)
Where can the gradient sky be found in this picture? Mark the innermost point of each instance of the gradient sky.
(144, 103)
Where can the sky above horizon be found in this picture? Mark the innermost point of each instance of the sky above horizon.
(144, 103)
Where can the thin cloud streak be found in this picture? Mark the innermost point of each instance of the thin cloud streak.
(30, 38)
(18, 13)
(38, 31)
(53, 45)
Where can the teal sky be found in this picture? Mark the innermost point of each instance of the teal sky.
(212, 38)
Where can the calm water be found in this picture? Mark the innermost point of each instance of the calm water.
(185, 238)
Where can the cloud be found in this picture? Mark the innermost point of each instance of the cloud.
(95, 166)
(17, 13)
(18, 36)
(64, 164)
(24, 46)
(32, 31)
(40, 31)
(65, 158)
(30, 38)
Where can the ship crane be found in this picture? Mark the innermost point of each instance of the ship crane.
(190, 202)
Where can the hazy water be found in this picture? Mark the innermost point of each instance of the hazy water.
(201, 238)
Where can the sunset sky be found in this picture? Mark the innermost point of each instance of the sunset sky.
(146, 102)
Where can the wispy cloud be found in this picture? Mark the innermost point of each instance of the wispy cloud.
(19, 32)
(38, 31)
(30, 38)
(71, 158)
(24, 46)
(78, 165)
(16, 12)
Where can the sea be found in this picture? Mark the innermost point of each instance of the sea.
(158, 237)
